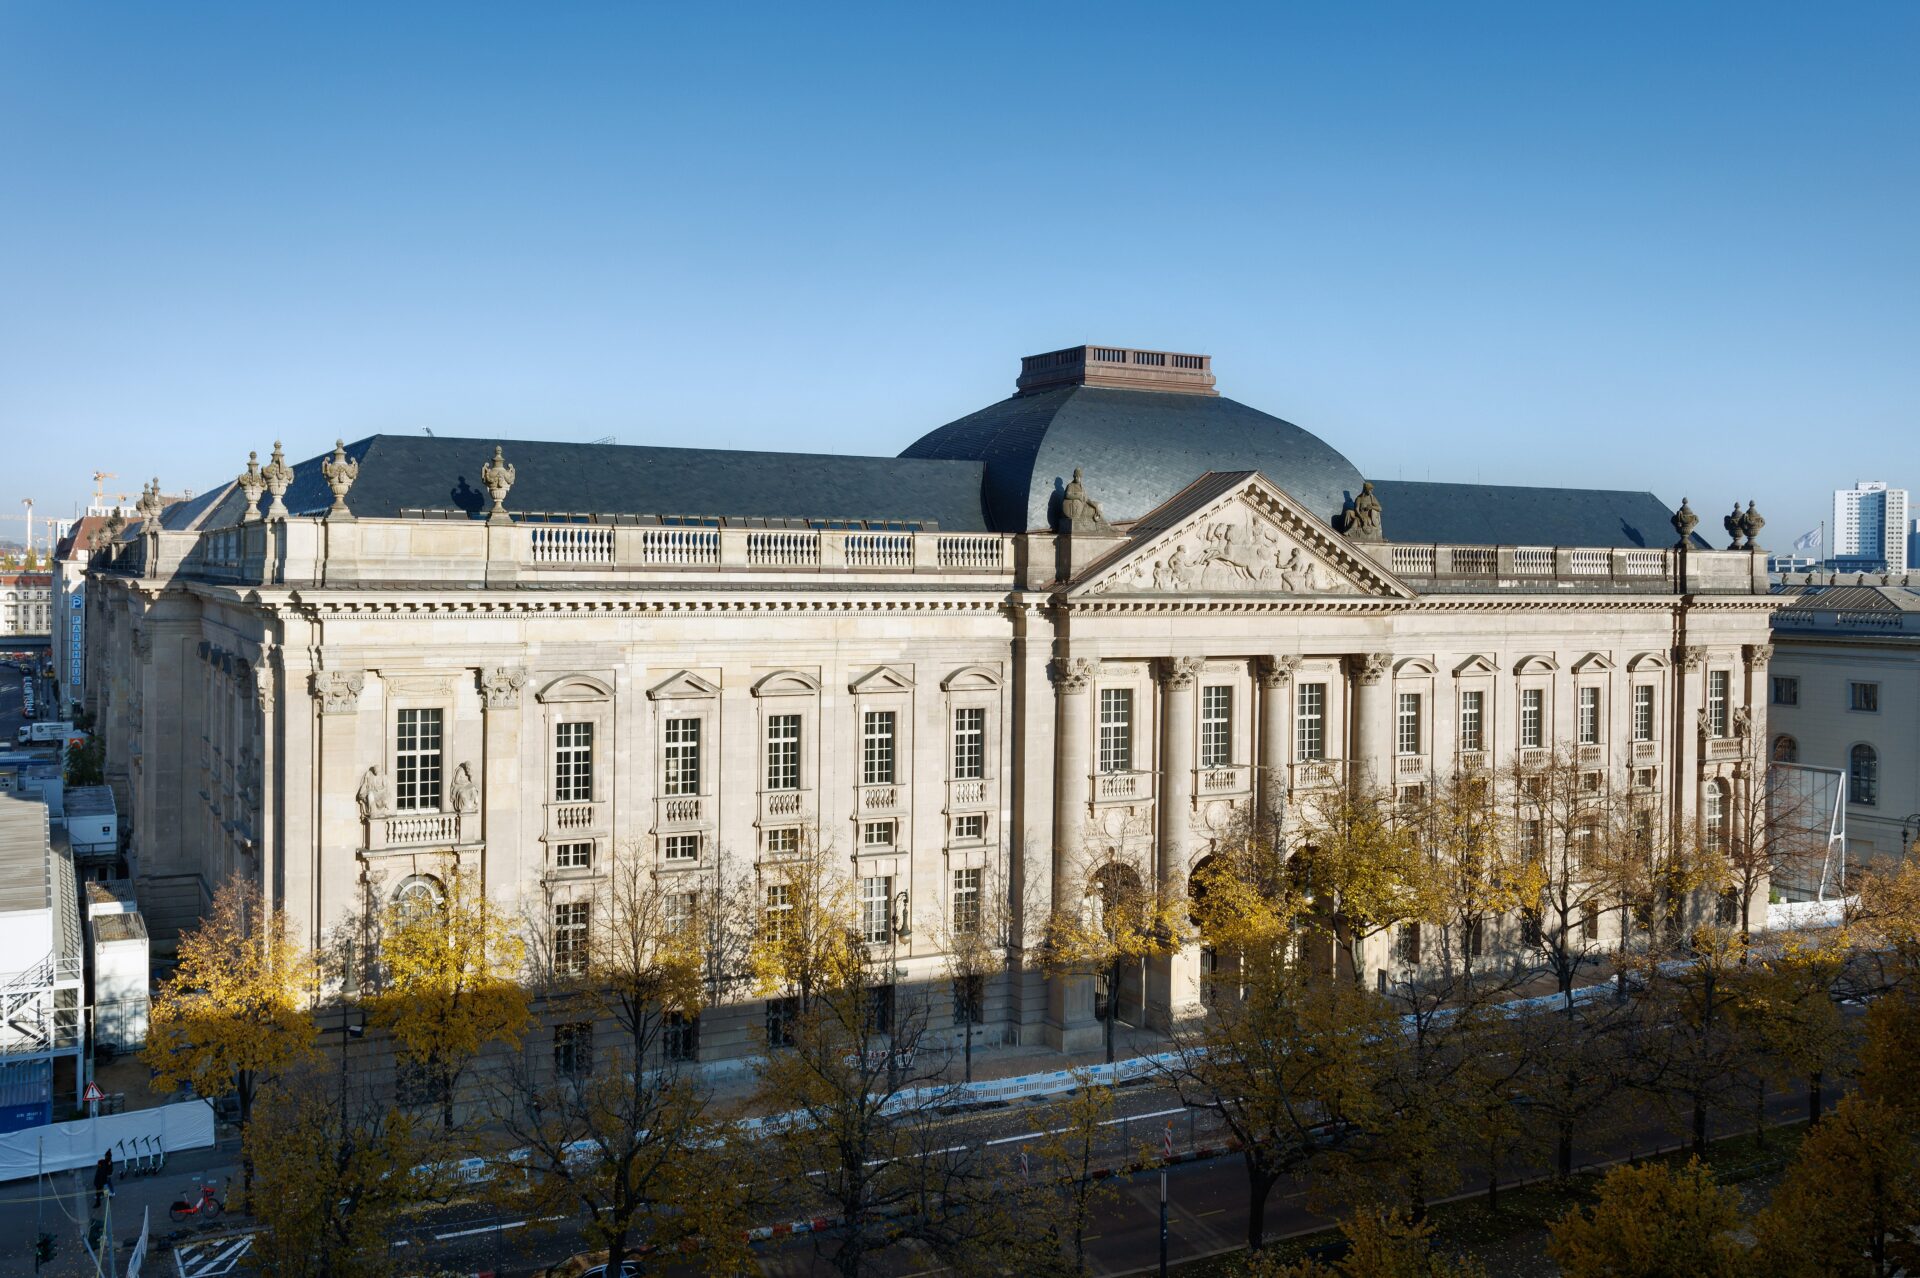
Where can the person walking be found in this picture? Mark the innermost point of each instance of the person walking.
(102, 1176)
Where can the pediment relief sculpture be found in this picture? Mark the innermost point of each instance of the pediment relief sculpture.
(1232, 551)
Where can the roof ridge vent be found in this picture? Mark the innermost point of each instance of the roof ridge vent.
(1122, 367)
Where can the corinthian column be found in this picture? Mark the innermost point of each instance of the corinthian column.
(1276, 678)
(1177, 676)
(1070, 1023)
(1372, 734)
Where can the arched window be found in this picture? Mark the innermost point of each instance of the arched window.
(1863, 776)
(417, 895)
(1785, 749)
(1714, 817)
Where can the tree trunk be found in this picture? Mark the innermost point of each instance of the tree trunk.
(1493, 1184)
(1259, 1185)
(1699, 1125)
(1814, 1080)
(1566, 1149)
(967, 1048)
(1417, 1195)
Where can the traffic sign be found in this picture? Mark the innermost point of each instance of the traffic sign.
(93, 1093)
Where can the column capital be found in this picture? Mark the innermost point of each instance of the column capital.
(1277, 671)
(1691, 656)
(1370, 667)
(1177, 672)
(501, 685)
(338, 691)
(1758, 654)
(1070, 674)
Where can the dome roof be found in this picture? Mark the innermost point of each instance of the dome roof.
(1138, 448)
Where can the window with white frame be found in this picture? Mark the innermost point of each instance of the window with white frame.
(416, 761)
(966, 901)
(1863, 775)
(1116, 730)
(682, 757)
(876, 747)
(1216, 726)
(1408, 737)
(1714, 816)
(1310, 722)
(970, 828)
(1717, 702)
(570, 922)
(1864, 697)
(1473, 732)
(573, 856)
(677, 910)
(1532, 714)
(1643, 712)
(1589, 716)
(877, 834)
(682, 847)
(876, 909)
(783, 840)
(783, 752)
(777, 918)
(572, 762)
(969, 743)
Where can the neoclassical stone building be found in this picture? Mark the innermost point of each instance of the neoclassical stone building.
(1113, 609)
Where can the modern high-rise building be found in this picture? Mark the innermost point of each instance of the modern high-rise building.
(1870, 522)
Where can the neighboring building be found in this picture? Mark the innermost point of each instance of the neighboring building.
(1870, 528)
(70, 556)
(41, 974)
(93, 830)
(122, 968)
(1845, 694)
(26, 602)
(955, 666)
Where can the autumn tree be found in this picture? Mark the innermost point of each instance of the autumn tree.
(1651, 1221)
(619, 1135)
(1359, 862)
(237, 1010)
(1851, 1198)
(1288, 1067)
(1567, 829)
(452, 968)
(1793, 1017)
(1773, 832)
(803, 936)
(1475, 872)
(1121, 920)
(976, 933)
(1695, 1052)
(1059, 1169)
(1379, 1245)
(337, 1168)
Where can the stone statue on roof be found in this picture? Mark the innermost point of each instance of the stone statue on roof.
(1362, 521)
(1079, 512)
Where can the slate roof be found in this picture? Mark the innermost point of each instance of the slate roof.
(1815, 598)
(1138, 448)
(420, 472)
(1503, 515)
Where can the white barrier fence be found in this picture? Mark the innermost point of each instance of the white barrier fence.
(64, 1146)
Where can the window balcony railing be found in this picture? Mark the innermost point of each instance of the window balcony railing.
(1532, 757)
(575, 818)
(1410, 765)
(1315, 774)
(1592, 755)
(886, 797)
(1122, 787)
(423, 829)
(1231, 778)
(970, 793)
(1644, 750)
(682, 810)
(1726, 748)
(783, 805)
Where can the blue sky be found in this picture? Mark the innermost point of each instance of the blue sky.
(1668, 247)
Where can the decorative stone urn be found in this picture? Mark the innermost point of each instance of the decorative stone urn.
(1733, 524)
(497, 477)
(149, 506)
(278, 476)
(1684, 522)
(1750, 525)
(251, 486)
(339, 471)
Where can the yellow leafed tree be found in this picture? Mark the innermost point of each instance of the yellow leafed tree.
(1121, 921)
(1652, 1221)
(804, 941)
(451, 981)
(1849, 1201)
(1359, 860)
(236, 1011)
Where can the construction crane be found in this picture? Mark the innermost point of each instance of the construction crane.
(28, 503)
(99, 493)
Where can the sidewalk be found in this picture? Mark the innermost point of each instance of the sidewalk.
(62, 1204)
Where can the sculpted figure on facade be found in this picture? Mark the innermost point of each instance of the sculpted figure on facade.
(372, 796)
(252, 485)
(466, 793)
(1362, 522)
(501, 686)
(339, 471)
(1079, 512)
(1742, 721)
(338, 691)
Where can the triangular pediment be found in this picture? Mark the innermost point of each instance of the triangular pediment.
(881, 679)
(1591, 663)
(1475, 665)
(1236, 534)
(683, 684)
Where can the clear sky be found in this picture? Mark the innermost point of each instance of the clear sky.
(1668, 247)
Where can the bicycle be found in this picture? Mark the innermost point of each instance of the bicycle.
(206, 1205)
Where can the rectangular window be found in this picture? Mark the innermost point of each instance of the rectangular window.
(1533, 838)
(1472, 721)
(1643, 712)
(572, 762)
(1589, 716)
(416, 761)
(876, 909)
(1786, 691)
(573, 856)
(677, 910)
(1216, 726)
(1862, 696)
(1717, 702)
(783, 752)
(876, 748)
(969, 1000)
(682, 757)
(1310, 722)
(778, 916)
(1531, 932)
(880, 1009)
(969, 829)
(1409, 723)
(683, 847)
(783, 1015)
(877, 834)
(570, 937)
(1407, 944)
(783, 841)
(1532, 703)
(966, 901)
(1477, 938)
(680, 1037)
(573, 1049)
(1590, 921)
(1116, 729)
(969, 743)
